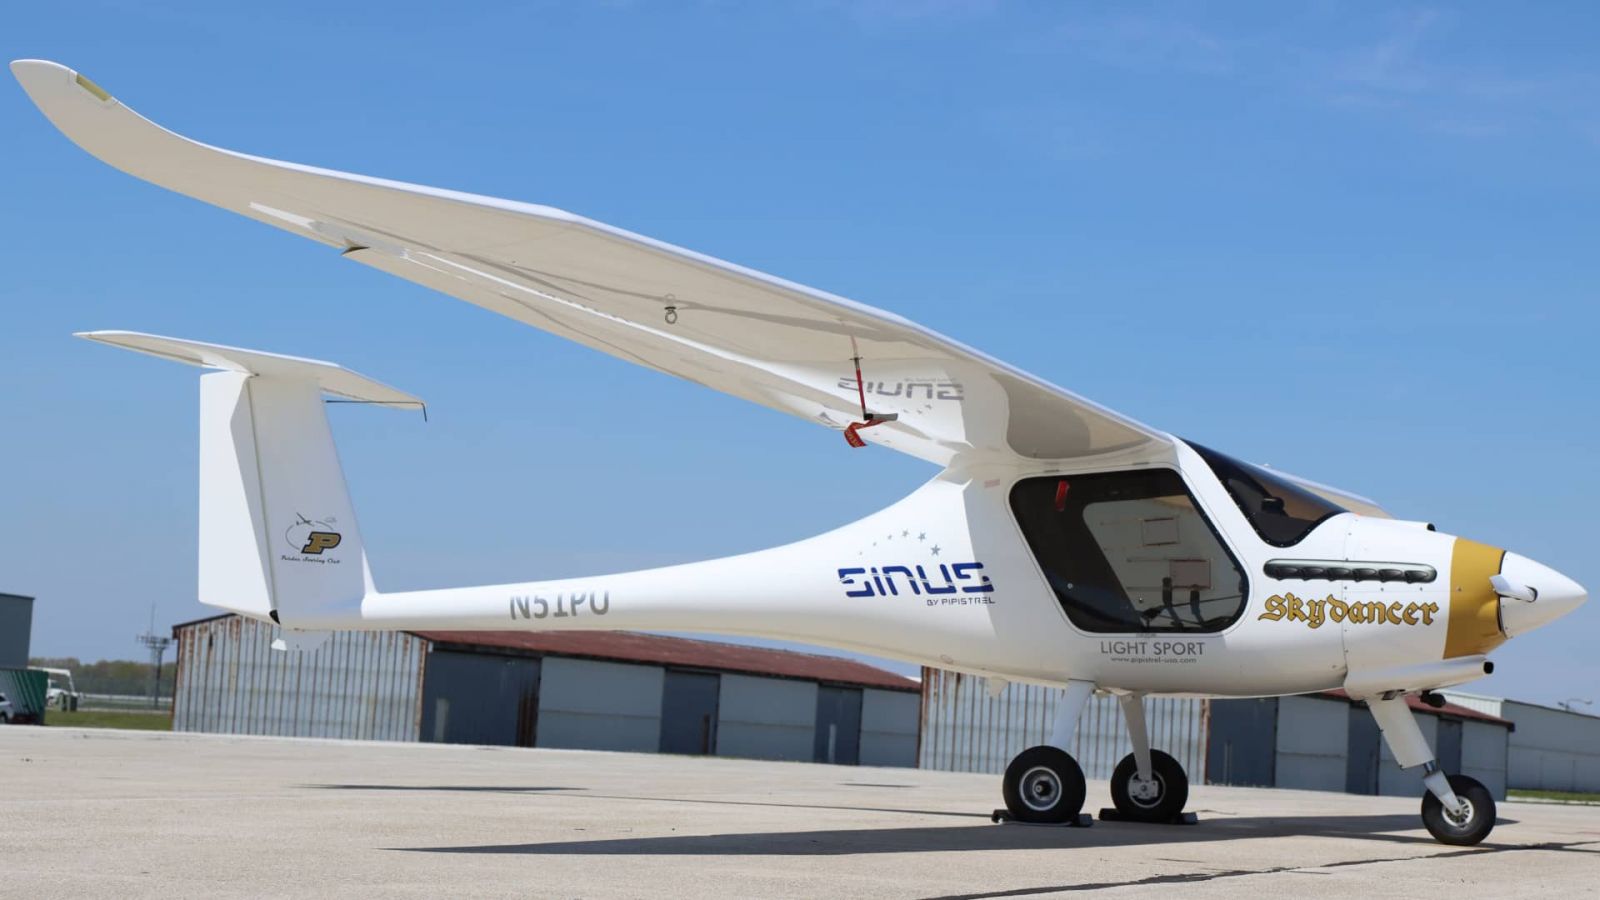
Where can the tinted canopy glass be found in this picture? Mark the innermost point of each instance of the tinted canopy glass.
(1281, 511)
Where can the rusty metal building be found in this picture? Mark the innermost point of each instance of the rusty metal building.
(584, 690)
(965, 728)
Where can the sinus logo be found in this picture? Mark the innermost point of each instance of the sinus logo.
(880, 581)
(312, 537)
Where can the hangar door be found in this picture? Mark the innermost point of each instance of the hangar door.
(1362, 756)
(838, 738)
(480, 698)
(689, 712)
(1243, 742)
(1447, 745)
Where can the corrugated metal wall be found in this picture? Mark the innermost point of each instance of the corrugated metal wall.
(766, 718)
(1552, 749)
(888, 728)
(1313, 743)
(1484, 748)
(26, 689)
(1478, 702)
(586, 704)
(966, 730)
(360, 685)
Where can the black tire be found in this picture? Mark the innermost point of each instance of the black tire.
(1044, 784)
(1471, 830)
(1134, 801)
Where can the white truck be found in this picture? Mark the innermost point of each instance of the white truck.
(62, 693)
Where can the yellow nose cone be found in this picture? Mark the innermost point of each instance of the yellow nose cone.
(1474, 606)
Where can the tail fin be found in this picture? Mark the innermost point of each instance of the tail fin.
(278, 535)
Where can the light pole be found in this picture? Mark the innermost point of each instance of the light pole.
(157, 645)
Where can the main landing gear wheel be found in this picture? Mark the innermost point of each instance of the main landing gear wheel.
(1161, 799)
(1475, 822)
(1044, 784)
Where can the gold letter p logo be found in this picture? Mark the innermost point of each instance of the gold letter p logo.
(318, 541)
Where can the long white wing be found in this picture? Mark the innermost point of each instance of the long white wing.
(748, 334)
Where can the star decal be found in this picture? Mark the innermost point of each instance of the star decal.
(935, 550)
(923, 536)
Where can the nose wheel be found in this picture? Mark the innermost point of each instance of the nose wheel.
(1469, 824)
(1044, 785)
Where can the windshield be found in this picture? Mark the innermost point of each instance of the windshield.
(1281, 511)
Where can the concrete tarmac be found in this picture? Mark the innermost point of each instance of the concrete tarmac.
(100, 813)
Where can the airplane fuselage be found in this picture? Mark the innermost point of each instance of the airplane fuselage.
(1191, 599)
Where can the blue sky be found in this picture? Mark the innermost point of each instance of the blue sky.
(1357, 244)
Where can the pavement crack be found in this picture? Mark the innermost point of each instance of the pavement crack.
(1196, 877)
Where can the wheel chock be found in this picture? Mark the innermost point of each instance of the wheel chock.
(1111, 814)
(1004, 817)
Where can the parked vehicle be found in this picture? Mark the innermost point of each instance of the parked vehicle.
(6, 711)
(62, 692)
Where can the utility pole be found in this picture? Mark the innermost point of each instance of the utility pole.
(157, 645)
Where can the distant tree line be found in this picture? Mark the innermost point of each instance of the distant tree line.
(111, 676)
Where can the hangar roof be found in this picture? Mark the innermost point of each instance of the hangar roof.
(630, 646)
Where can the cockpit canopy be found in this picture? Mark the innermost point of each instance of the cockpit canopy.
(1281, 511)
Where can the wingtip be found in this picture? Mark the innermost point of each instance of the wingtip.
(40, 76)
(19, 65)
(26, 70)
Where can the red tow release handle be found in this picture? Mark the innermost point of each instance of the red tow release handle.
(852, 432)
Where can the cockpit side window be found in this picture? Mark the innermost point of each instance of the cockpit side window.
(1129, 552)
(1281, 511)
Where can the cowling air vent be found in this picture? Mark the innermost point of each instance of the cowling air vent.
(1348, 570)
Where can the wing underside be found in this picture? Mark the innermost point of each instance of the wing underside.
(751, 335)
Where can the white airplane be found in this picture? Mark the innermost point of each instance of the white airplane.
(1061, 544)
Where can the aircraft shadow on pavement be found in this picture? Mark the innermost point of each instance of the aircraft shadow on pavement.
(937, 839)
(985, 836)
(480, 788)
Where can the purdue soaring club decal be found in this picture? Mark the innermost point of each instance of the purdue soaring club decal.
(1376, 612)
(312, 537)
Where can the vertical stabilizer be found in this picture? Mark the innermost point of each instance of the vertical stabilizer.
(278, 535)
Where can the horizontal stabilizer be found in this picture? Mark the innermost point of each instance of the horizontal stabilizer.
(332, 378)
